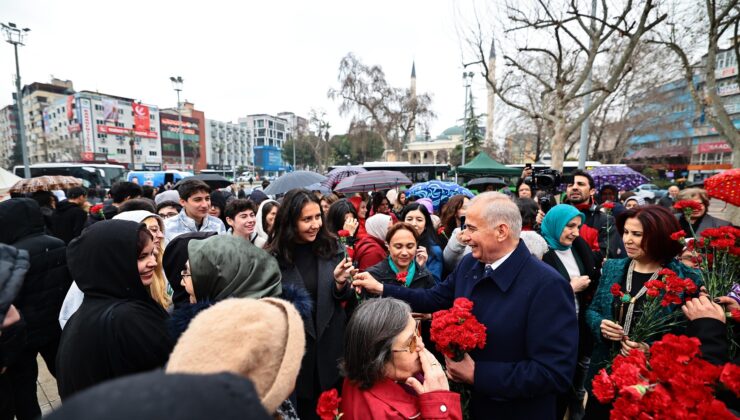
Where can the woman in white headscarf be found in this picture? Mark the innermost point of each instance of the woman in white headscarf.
(372, 248)
(265, 218)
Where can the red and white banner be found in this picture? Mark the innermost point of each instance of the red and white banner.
(120, 131)
(715, 147)
(141, 117)
(88, 138)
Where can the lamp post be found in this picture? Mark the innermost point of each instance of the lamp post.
(15, 36)
(177, 85)
(583, 147)
(467, 81)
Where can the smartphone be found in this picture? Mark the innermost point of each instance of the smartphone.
(528, 165)
(462, 223)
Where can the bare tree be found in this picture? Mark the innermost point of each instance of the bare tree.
(571, 41)
(391, 112)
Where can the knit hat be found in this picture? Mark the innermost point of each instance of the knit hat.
(262, 340)
(169, 195)
(392, 196)
(640, 200)
(426, 202)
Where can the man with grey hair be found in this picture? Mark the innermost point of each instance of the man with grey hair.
(526, 306)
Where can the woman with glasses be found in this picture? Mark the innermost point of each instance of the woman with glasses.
(388, 371)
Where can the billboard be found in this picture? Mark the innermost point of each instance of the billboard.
(170, 129)
(88, 136)
(141, 117)
(714, 147)
(268, 158)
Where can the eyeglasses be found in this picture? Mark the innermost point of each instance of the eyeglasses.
(412, 344)
(185, 274)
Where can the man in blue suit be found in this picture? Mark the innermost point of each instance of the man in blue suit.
(527, 308)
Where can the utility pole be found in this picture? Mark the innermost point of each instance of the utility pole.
(583, 149)
(15, 37)
(177, 85)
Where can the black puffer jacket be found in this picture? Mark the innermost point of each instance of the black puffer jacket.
(48, 279)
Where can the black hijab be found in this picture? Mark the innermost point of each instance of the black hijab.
(119, 329)
(174, 259)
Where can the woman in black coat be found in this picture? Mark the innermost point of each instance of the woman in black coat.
(119, 329)
(310, 259)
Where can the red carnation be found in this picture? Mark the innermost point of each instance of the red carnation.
(456, 331)
(666, 272)
(616, 290)
(441, 231)
(722, 243)
(328, 405)
(687, 204)
(735, 315)
(608, 205)
(96, 209)
(343, 233)
(401, 277)
(730, 377)
(603, 387)
(677, 236)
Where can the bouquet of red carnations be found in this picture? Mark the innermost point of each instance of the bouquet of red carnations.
(654, 320)
(328, 405)
(456, 331)
(718, 255)
(674, 383)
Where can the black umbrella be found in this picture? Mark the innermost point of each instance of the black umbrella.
(214, 181)
(293, 180)
(481, 183)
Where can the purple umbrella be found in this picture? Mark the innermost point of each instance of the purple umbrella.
(337, 174)
(622, 177)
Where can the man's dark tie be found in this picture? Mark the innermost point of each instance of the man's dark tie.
(489, 271)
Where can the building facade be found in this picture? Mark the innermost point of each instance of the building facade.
(36, 98)
(228, 146)
(194, 138)
(269, 134)
(91, 126)
(8, 135)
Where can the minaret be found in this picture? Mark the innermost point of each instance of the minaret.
(412, 89)
(491, 95)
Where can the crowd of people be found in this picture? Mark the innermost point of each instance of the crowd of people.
(189, 300)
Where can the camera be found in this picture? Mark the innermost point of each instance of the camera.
(549, 181)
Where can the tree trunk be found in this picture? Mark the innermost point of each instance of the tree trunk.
(558, 144)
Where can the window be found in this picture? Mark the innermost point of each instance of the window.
(102, 136)
(137, 152)
(153, 153)
(103, 150)
(121, 151)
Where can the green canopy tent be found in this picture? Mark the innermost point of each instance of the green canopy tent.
(484, 165)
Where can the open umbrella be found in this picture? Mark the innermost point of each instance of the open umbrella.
(437, 191)
(320, 187)
(480, 184)
(622, 177)
(293, 180)
(338, 174)
(45, 183)
(372, 181)
(215, 181)
(7, 180)
(725, 186)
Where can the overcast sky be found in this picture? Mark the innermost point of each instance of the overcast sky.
(240, 58)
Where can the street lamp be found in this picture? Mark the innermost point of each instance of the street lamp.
(177, 85)
(15, 37)
(467, 81)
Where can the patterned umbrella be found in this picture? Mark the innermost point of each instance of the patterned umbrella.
(372, 181)
(622, 177)
(45, 183)
(725, 186)
(338, 174)
(437, 191)
(293, 180)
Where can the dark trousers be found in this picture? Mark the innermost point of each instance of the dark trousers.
(21, 377)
